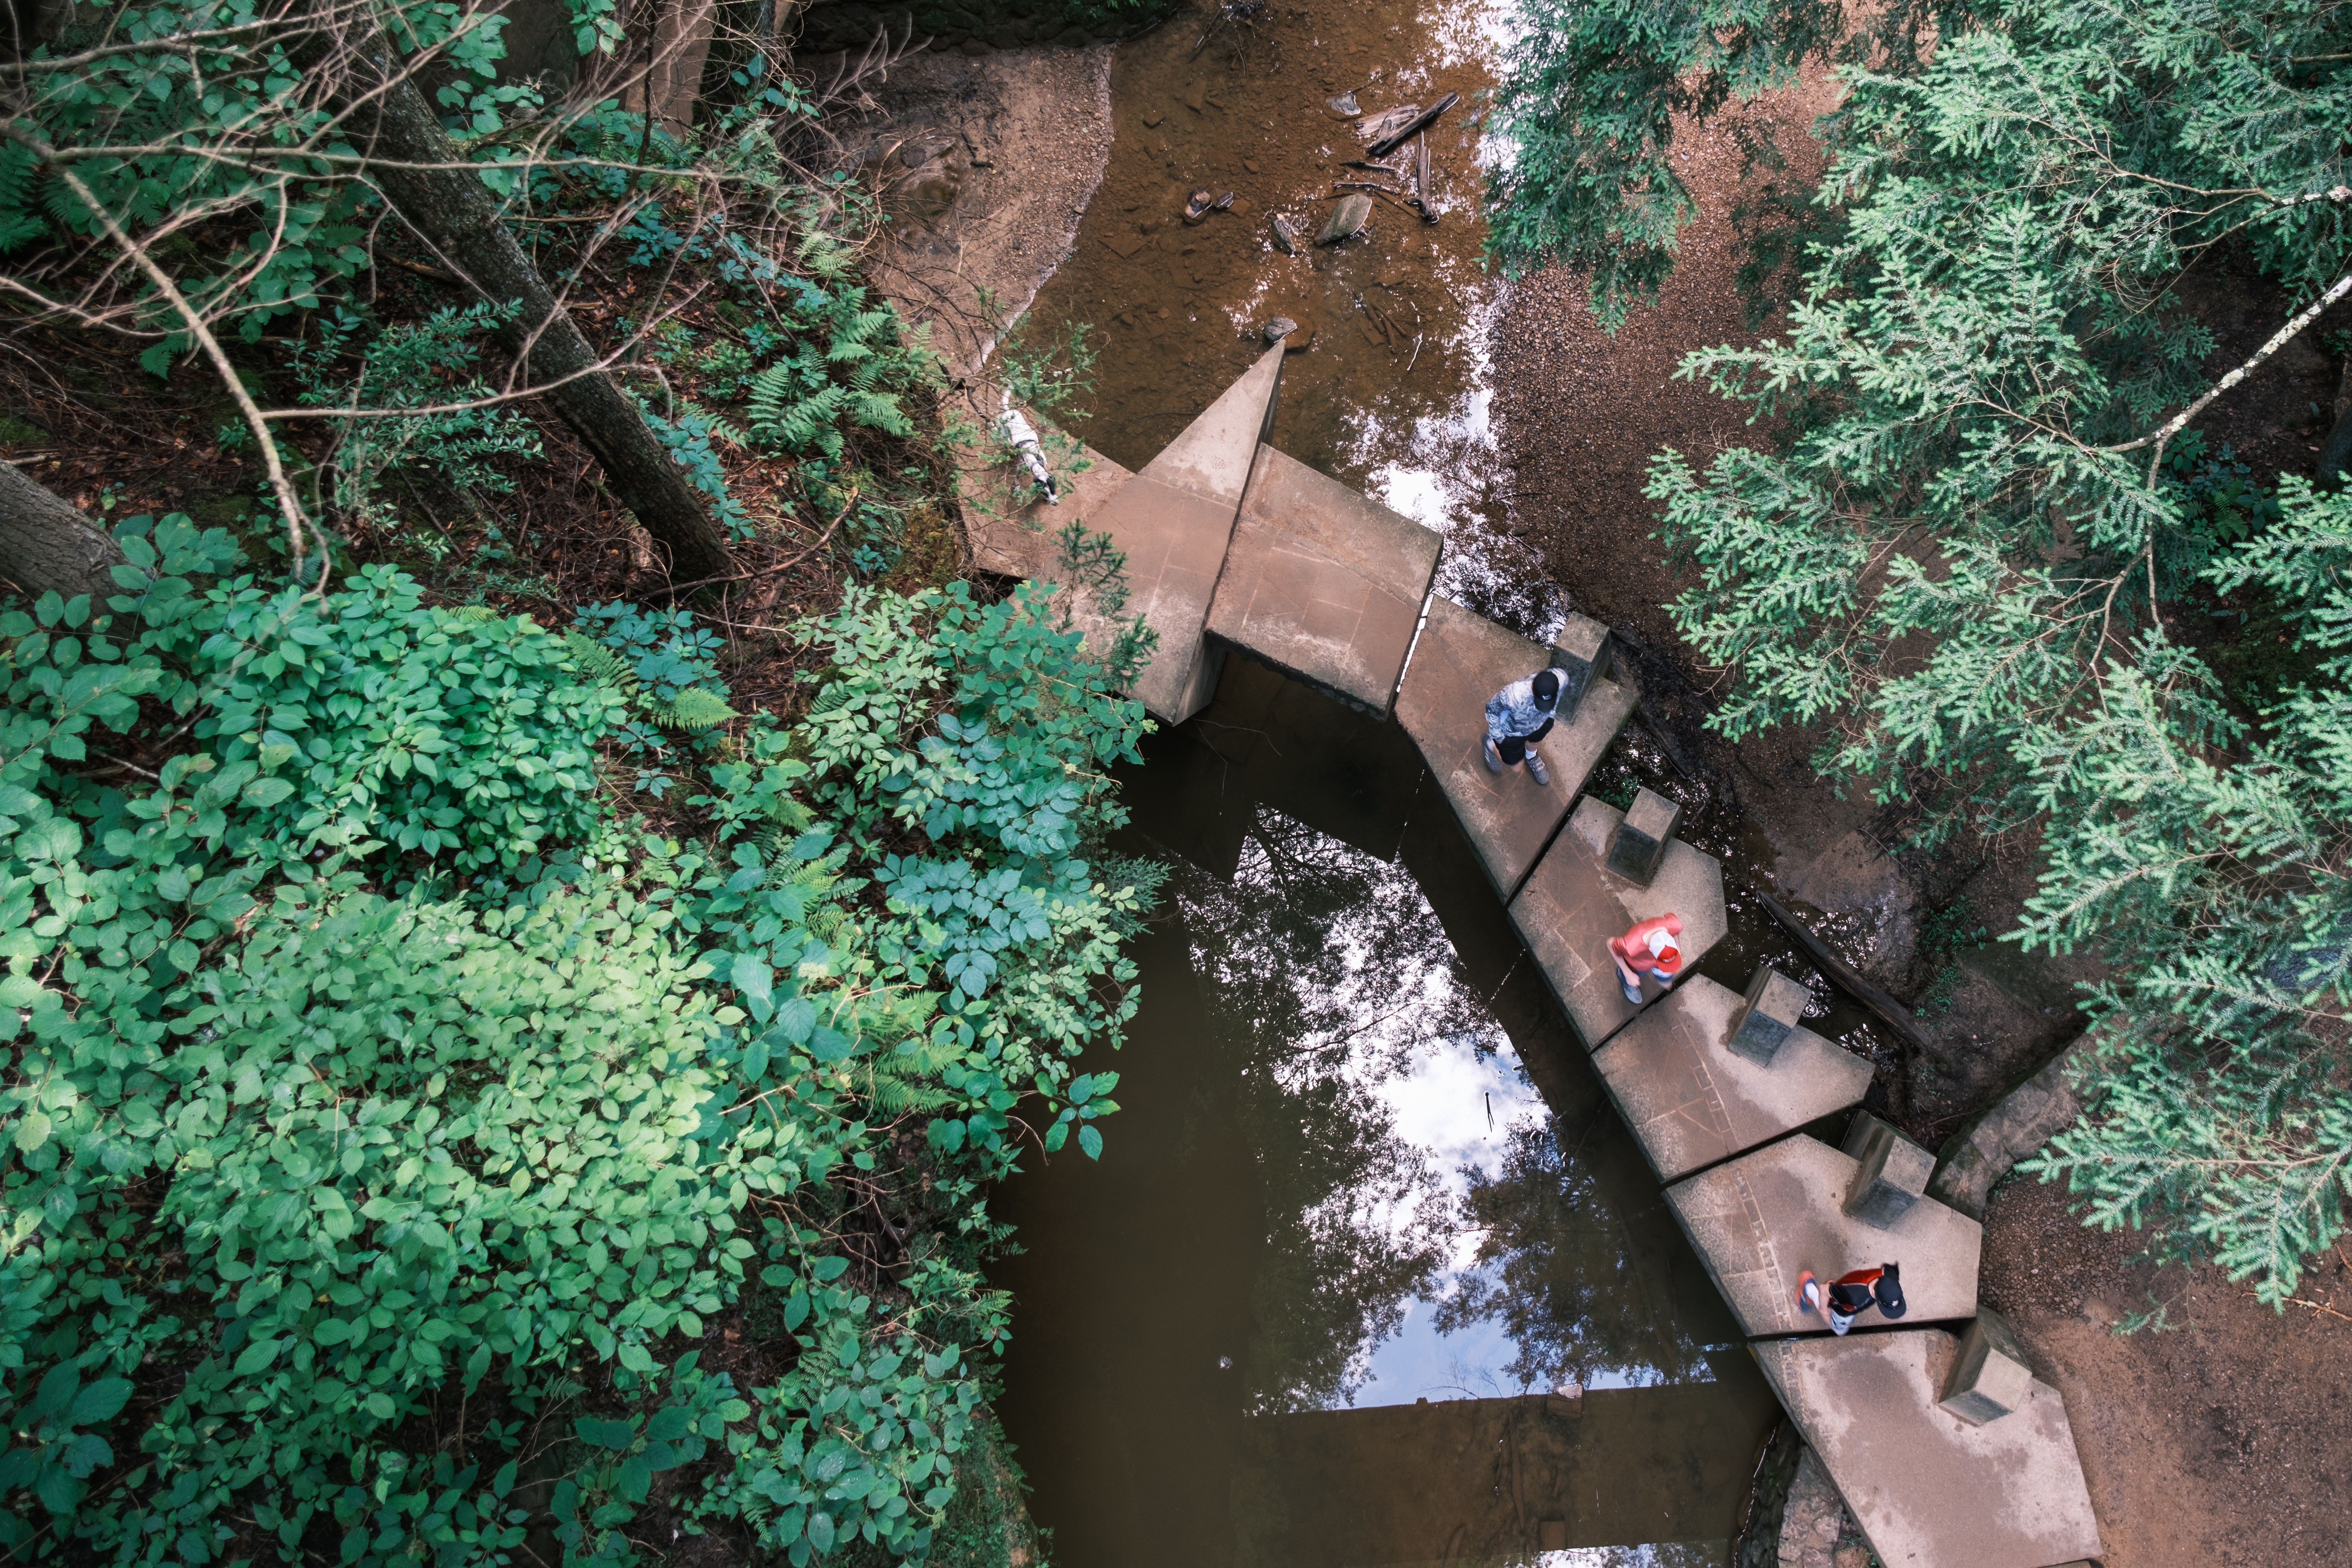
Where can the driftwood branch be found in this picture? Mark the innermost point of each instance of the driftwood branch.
(1848, 979)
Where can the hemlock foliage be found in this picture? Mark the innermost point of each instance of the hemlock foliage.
(391, 1123)
(1965, 550)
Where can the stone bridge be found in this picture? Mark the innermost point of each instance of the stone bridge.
(1947, 1449)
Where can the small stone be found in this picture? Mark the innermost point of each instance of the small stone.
(1989, 1378)
(1893, 1175)
(1279, 327)
(1196, 92)
(1775, 1006)
(1853, 1554)
(1349, 217)
(1250, 165)
(1152, 121)
(1638, 846)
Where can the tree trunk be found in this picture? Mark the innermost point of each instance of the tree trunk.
(673, 83)
(45, 543)
(448, 205)
(2335, 457)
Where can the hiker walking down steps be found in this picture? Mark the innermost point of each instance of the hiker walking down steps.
(1852, 1294)
(1517, 717)
(1647, 949)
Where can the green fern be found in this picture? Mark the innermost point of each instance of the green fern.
(694, 709)
(597, 665)
(20, 223)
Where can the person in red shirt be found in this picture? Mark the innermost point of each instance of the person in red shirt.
(1647, 949)
(1850, 1295)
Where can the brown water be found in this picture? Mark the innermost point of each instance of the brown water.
(1362, 1164)
(1392, 393)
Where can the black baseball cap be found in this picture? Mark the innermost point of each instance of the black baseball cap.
(1547, 688)
(1888, 1291)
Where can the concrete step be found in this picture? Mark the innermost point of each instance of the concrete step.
(1758, 1220)
(1692, 1101)
(1573, 905)
(1928, 1489)
(1323, 584)
(1172, 521)
(1461, 660)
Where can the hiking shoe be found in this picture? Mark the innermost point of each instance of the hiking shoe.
(1535, 766)
(1807, 1291)
(1494, 757)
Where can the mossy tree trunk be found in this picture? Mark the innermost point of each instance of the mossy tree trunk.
(428, 183)
(47, 542)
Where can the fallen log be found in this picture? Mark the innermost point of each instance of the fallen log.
(1848, 979)
(1411, 128)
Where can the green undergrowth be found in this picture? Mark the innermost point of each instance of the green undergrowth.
(414, 1153)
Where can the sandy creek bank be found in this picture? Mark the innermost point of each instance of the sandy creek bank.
(1524, 432)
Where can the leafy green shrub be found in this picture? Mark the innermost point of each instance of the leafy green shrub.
(663, 649)
(421, 366)
(291, 1161)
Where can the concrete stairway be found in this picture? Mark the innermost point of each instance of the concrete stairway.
(1949, 1452)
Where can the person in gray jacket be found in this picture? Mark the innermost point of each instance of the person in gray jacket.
(1518, 717)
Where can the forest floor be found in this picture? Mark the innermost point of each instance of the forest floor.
(2214, 1434)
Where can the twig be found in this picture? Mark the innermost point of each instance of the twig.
(296, 520)
(2174, 426)
(781, 566)
(422, 270)
(2299, 1301)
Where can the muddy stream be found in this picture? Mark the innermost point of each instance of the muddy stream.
(1369, 1271)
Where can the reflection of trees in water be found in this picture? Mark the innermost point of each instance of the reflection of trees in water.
(1323, 969)
(1563, 1275)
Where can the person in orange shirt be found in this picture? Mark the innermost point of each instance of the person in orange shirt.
(1647, 949)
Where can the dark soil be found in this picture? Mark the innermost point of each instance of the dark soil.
(2214, 1436)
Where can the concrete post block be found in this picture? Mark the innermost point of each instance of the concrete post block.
(1893, 1175)
(1989, 1376)
(1639, 845)
(1774, 1008)
(1582, 655)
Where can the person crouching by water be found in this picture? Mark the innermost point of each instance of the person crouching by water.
(1517, 717)
(1647, 949)
(1854, 1294)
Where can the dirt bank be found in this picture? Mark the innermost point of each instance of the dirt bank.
(984, 164)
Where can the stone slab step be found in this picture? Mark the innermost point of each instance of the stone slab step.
(1573, 904)
(1758, 1220)
(1929, 1490)
(1172, 521)
(1461, 660)
(1012, 532)
(1692, 1102)
(1323, 584)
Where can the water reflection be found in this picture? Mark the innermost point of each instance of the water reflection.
(1323, 969)
(1362, 1166)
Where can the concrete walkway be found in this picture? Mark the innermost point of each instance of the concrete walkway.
(1232, 544)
